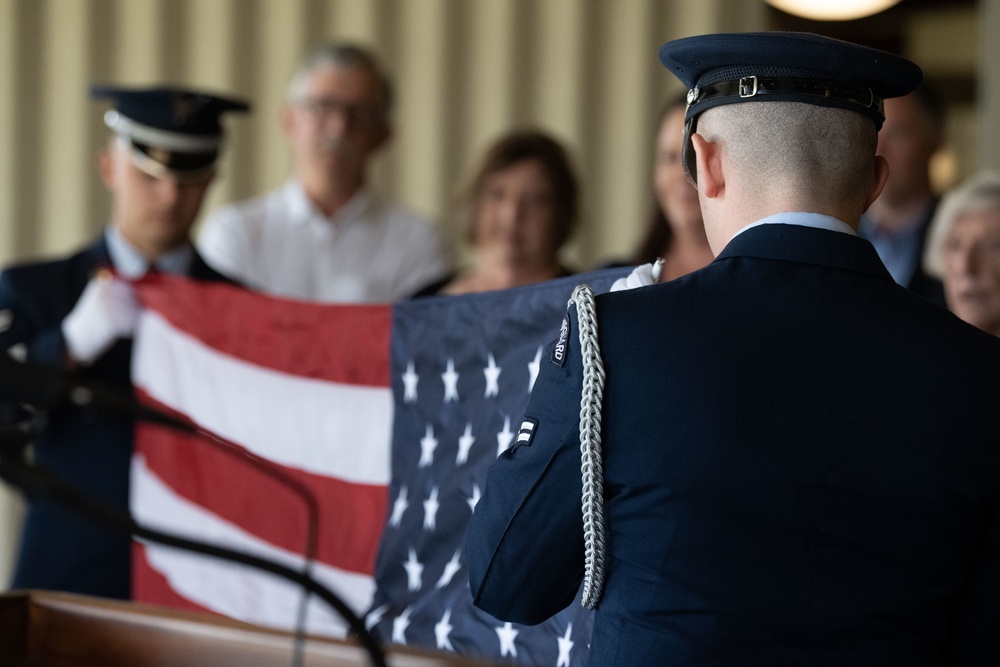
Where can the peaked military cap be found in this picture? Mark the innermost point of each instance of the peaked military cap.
(784, 67)
(171, 130)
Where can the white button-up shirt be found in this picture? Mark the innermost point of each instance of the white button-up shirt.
(369, 251)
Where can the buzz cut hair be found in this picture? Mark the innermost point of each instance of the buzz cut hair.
(801, 145)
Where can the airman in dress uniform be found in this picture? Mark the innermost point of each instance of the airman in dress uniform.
(798, 460)
(79, 312)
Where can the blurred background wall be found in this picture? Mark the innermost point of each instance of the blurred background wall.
(465, 71)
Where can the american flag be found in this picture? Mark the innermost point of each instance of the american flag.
(390, 414)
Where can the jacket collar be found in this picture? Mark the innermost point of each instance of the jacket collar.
(97, 256)
(807, 245)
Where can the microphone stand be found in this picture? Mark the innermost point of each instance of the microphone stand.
(43, 388)
(42, 483)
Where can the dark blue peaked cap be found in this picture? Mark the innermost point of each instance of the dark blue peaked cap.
(787, 67)
(784, 67)
(170, 129)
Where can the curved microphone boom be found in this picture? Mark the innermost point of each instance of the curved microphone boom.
(46, 388)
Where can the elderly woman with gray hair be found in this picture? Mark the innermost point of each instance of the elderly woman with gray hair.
(963, 250)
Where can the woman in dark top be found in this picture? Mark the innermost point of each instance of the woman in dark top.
(675, 231)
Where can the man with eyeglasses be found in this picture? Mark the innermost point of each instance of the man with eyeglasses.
(325, 236)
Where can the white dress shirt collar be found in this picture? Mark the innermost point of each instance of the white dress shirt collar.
(814, 220)
(131, 264)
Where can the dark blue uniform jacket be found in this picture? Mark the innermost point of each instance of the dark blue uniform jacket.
(59, 550)
(801, 468)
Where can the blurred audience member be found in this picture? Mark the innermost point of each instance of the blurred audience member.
(675, 232)
(325, 236)
(963, 250)
(897, 222)
(518, 207)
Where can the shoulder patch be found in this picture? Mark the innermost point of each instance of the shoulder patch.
(527, 432)
(562, 345)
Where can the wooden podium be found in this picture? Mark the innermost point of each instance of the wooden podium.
(63, 630)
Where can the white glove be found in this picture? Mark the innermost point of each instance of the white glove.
(107, 310)
(642, 275)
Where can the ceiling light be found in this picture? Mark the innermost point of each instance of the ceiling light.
(832, 10)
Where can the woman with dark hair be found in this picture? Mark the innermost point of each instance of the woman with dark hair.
(675, 235)
(517, 207)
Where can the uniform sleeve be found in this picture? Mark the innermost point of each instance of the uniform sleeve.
(524, 548)
(976, 640)
(21, 324)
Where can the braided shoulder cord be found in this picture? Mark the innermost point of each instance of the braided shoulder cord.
(590, 446)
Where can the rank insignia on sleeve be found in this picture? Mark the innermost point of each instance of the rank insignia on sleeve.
(527, 432)
(562, 345)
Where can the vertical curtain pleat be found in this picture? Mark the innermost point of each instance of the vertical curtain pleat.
(988, 132)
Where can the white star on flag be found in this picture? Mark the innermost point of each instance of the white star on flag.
(410, 379)
(414, 572)
(441, 631)
(492, 373)
(504, 437)
(450, 569)
(465, 442)
(431, 507)
(399, 625)
(565, 646)
(450, 378)
(533, 368)
(374, 616)
(507, 633)
(378, 389)
(428, 444)
(473, 500)
(399, 506)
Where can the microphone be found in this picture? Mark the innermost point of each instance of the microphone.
(46, 388)
(34, 480)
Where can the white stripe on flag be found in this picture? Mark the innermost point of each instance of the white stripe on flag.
(234, 590)
(278, 416)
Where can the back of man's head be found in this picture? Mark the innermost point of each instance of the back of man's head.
(800, 153)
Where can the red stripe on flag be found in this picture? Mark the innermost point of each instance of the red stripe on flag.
(350, 516)
(346, 343)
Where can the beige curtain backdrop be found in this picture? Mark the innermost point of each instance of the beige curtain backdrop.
(465, 71)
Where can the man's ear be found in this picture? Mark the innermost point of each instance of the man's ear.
(106, 166)
(382, 136)
(711, 182)
(880, 177)
(287, 118)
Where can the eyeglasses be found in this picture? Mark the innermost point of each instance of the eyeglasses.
(325, 107)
